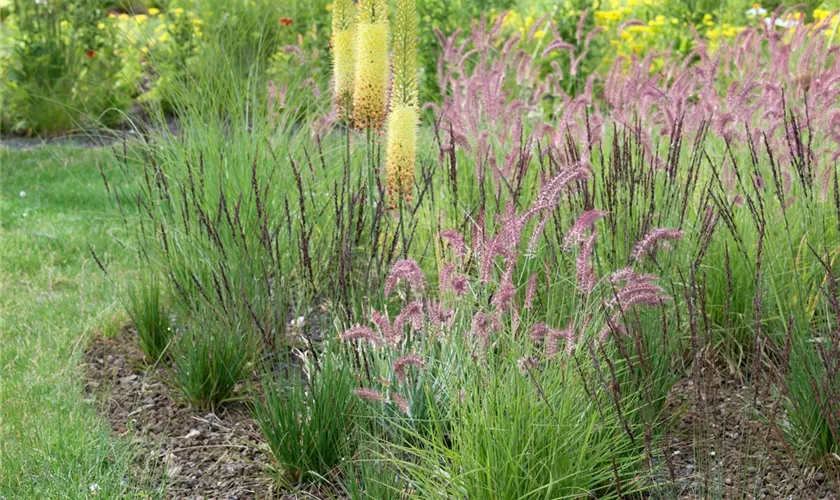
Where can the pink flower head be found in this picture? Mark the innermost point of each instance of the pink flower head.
(552, 345)
(412, 315)
(360, 333)
(504, 295)
(390, 333)
(635, 293)
(577, 233)
(456, 241)
(647, 245)
(401, 403)
(402, 364)
(613, 326)
(440, 318)
(585, 271)
(504, 243)
(460, 285)
(628, 275)
(527, 364)
(552, 189)
(445, 277)
(539, 332)
(405, 270)
(369, 394)
(480, 323)
(531, 291)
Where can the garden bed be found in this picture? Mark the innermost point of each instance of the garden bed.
(221, 454)
(201, 454)
(738, 452)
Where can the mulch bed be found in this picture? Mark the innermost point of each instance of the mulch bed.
(221, 455)
(203, 455)
(724, 445)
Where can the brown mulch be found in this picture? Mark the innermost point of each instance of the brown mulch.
(201, 454)
(726, 447)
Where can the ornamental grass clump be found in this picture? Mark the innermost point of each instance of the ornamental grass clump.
(310, 425)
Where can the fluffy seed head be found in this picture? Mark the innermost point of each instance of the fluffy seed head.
(403, 363)
(456, 241)
(390, 332)
(405, 270)
(577, 232)
(539, 332)
(369, 394)
(648, 244)
(401, 403)
(585, 271)
(527, 364)
(360, 333)
(531, 291)
(412, 315)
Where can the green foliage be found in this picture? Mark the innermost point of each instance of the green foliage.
(371, 478)
(310, 426)
(524, 434)
(211, 357)
(446, 16)
(62, 70)
(150, 318)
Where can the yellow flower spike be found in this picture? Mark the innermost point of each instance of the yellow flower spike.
(371, 64)
(404, 118)
(401, 152)
(343, 56)
(153, 11)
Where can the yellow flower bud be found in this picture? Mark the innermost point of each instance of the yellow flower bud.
(401, 152)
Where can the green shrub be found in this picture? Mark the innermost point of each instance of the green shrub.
(63, 69)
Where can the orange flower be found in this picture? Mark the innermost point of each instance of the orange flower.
(90, 54)
(286, 21)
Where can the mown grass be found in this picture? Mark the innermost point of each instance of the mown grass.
(53, 299)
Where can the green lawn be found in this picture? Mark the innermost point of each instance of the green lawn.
(54, 445)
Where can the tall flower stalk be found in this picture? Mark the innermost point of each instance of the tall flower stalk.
(343, 55)
(371, 68)
(371, 82)
(404, 116)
